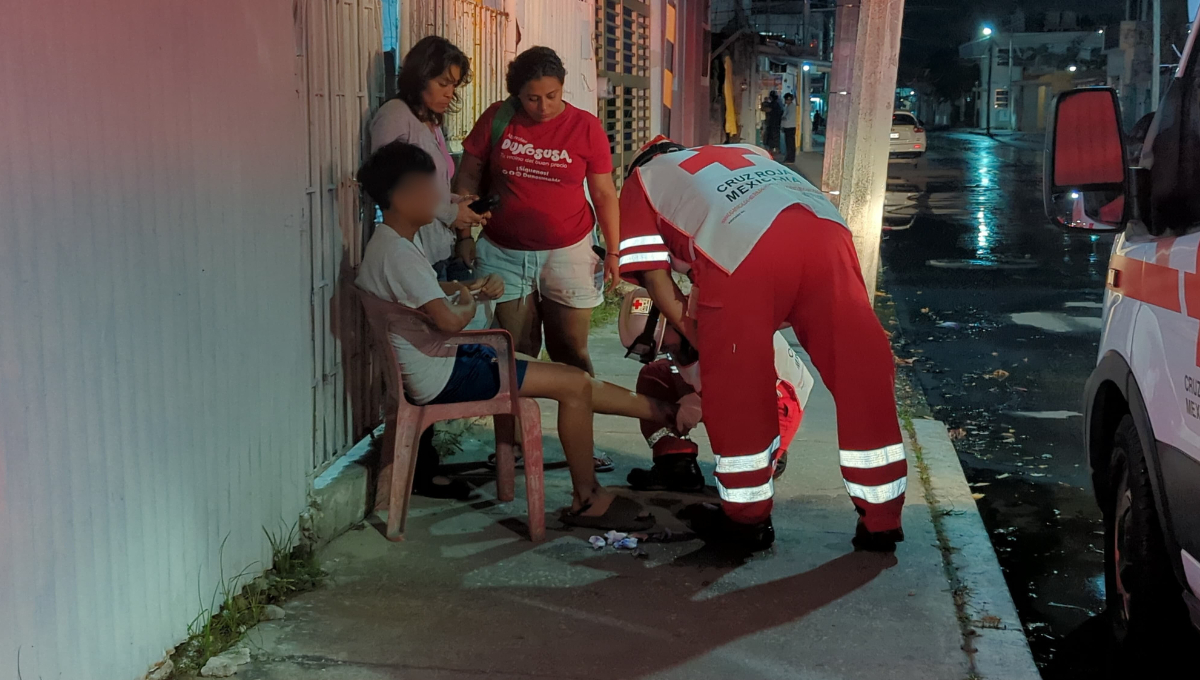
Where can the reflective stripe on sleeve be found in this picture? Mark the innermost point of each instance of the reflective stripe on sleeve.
(865, 460)
(641, 241)
(878, 494)
(758, 461)
(753, 494)
(644, 257)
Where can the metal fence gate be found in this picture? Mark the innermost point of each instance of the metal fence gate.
(479, 31)
(340, 68)
(623, 57)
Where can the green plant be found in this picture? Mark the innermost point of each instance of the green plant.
(232, 610)
(608, 310)
(448, 436)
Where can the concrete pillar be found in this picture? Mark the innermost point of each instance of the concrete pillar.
(856, 147)
(841, 81)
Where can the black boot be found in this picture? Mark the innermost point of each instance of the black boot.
(672, 472)
(780, 466)
(713, 525)
(877, 541)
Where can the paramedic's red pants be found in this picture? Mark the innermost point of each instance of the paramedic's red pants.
(805, 271)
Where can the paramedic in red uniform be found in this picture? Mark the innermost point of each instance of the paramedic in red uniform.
(766, 249)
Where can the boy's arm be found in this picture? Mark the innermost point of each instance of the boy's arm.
(451, 317)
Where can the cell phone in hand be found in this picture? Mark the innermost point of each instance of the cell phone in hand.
(485, 205)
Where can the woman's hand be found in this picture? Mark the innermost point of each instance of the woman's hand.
(490, 287)
(612, 271)
(467, 219)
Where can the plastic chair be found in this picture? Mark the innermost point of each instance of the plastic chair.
(412, 420)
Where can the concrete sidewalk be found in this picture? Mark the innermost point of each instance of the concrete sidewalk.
(468, 596)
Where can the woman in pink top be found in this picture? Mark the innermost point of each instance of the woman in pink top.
(426, 90)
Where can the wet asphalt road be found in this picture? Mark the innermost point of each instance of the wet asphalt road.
(1000, 313)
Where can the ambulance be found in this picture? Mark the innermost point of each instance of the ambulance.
(1142, 402)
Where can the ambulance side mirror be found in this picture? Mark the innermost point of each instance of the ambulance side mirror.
(1086, 182)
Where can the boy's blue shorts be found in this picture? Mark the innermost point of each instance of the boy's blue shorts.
(476, 376)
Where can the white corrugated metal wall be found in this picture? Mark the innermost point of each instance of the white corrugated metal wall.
(479, 29)
(568, 27)
(155, 335)
(341, 70)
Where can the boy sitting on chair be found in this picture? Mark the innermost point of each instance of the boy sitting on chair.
(399, 178)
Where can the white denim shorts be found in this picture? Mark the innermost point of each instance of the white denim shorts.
(563, 275)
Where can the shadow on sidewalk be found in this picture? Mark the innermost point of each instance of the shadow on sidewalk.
(463, 597)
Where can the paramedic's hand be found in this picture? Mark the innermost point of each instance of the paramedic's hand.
(490, 287)
(467, 218)
(612, 271)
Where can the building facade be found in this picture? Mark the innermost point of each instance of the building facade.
(1021, 73)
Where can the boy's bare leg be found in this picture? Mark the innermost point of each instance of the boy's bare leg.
(614, 400)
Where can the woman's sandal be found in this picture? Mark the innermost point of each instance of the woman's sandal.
(623, 515)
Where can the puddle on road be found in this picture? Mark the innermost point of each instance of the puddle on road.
(1057, 322)
(998, 263)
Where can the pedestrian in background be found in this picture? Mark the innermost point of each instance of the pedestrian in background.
(426, 90)
(539, 239)
(789, 127)
(774, 118)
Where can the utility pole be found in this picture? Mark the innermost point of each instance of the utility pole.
(862, 98)
(841, 89)
(1156, 66)
(988, 101)
(804, 94)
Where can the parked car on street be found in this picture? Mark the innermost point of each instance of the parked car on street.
(1142, 402)
(908, 136)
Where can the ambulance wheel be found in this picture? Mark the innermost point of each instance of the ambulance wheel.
(1144, 599)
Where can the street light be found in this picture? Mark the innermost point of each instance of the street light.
(1072, 68)
(808, 67)
(987, 31)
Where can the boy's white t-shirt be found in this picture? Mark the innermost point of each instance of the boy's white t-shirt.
(396, 269)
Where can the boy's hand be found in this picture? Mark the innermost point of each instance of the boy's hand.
(490, 287)
(463, 294)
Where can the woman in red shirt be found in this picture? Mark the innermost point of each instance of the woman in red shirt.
(539, 237)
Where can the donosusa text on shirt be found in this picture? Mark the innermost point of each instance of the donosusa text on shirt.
(524, 152)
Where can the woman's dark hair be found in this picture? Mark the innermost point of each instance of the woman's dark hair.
(534, 63)
(387, 168)
(427, 60)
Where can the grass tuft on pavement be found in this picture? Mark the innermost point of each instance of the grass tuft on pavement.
(232, 611)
